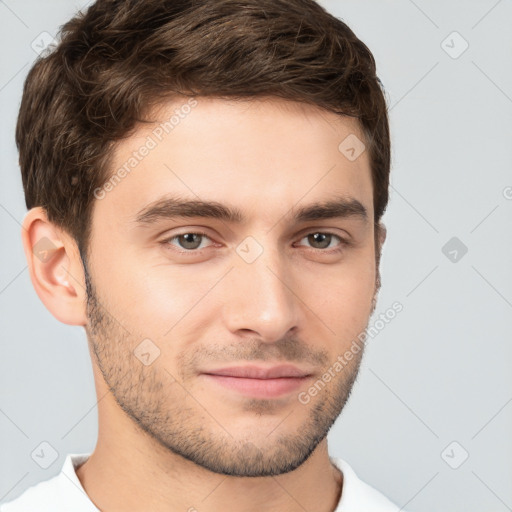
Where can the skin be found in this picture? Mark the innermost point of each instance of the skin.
(168, 438)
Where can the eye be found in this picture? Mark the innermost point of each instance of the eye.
(323, 240)
(190, 241)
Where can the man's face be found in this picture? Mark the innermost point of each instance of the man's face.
(168, 307)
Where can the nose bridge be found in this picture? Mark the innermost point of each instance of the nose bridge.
(259, 295)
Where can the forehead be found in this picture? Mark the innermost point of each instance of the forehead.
(262, 157)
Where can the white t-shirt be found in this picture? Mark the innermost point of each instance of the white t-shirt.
(64, 493)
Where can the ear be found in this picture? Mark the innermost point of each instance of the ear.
(382, 235)
(55, 267)
(380, 239)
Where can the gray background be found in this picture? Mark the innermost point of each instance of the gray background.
(439, 372)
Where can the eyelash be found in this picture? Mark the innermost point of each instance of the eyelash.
(342, 245)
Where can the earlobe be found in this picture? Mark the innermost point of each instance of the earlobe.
(55, 267)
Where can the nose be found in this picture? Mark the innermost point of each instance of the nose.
(260, 299)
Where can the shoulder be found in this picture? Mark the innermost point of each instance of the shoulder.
(56, 494)
(358, 496)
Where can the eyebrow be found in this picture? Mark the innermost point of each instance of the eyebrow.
(173, 207)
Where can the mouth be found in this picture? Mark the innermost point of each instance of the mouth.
(259, 382)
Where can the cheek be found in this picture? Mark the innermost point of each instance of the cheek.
(165, 301)
(343, 296)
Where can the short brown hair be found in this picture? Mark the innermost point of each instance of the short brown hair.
(120, 58)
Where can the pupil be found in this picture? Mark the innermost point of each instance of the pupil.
(189, 239)
(323, 237)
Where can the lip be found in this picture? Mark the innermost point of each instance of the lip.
(258, 372)
(259, 382)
